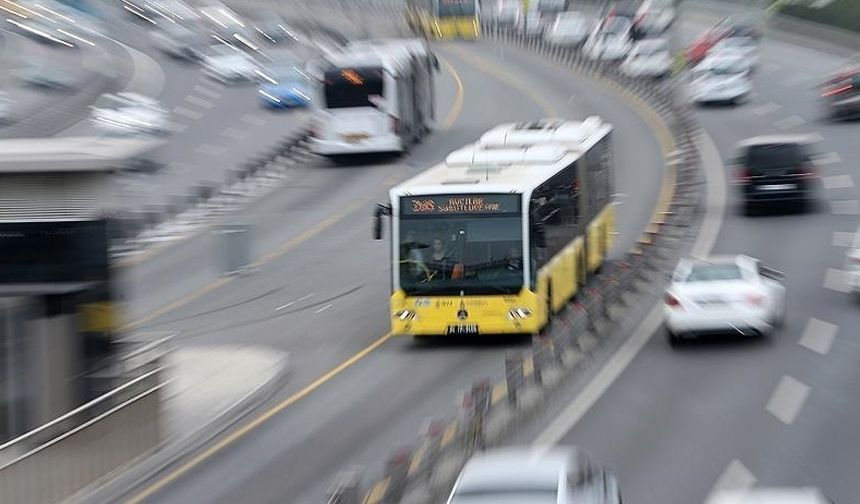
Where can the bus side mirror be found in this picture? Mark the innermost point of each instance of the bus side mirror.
(377, 220)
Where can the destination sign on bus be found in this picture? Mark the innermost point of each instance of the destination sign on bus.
(455, 204)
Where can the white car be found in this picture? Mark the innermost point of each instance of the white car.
(805, 495)
(531, 23)
(610, 41)
(129, 113)
(656, 15)
(852, 265)
(178, 41)
(570, 29)
(521, 476)
(721, 78)
(229, 64)
(733, 295)
(648, 58)
(745, 48)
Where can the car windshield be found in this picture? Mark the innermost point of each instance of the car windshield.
(444, 251)
(713, 273)
(781, 155)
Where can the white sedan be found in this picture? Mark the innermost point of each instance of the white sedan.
(570, 29)
(745, 48)
(723, 295)
(128, 114)
(229, 64)
(648, 58)
(610, 41)
(852, 263)
(721, 78)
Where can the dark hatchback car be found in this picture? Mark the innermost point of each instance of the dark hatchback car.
(841, 94)
(776, 170)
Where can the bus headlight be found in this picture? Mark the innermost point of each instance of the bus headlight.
(519, 313)
(405, 315)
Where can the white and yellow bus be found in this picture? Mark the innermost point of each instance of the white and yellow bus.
(444, 19)
(504, 232)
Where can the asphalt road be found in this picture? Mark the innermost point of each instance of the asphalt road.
(774, 412)
(322, 295)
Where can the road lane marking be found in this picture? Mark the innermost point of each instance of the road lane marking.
(845, 207)
(766, 109)
(324, 308)
(299, 300)
(207, 92)
(826, 159)
(787, 399)
(458, 98)
(818, 336)
(789, 122)
(735, 476)
(259, 420)
(235, 134)
(252, 120)
(837, 280)
(187, 113)
(837, 182)
(200, 102)
(843, 238)
(210, 150)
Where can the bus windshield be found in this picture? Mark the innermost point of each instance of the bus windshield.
(353, 87)
(474, 252)
(454, 8)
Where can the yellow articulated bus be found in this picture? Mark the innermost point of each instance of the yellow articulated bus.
(444, 19)
(504, 232)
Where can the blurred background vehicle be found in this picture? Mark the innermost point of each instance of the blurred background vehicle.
(521, 476)
(285, 85)
(744, 47)
(698, 50)
(610, 40)
(570, 29)
(656, 16)
(648, 58)
(721, 79)
(229, 64)
(531, 23)
(47, 76)
(272, 28)
(775, 169)
(770, 496)
(129, 114)
(444, 19)
(180, 41)
(841, 93)
(507, 12)
(723, 295)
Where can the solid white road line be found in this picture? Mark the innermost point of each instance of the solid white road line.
(207, 92)
(324, 308)
(837, 280)
(789, 122)
(714, 210)
(200, 102)
(787, 399)
(252, 120)
(837, 182)
(845, 207)
(235, 134)
(766, 109)
(827, 159)
(735, 476)
(843, 238)
(210, 150)
(188, 113)
(299, 300)
(818, 336)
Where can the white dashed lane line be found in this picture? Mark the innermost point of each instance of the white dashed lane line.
(210, 150)
(837, 280)
(768, 108)
(845, 207)
(200, 102)
(827, 159)
(819, 336)
(734, 477)
(188, 113)
(324, 308)
(842, 238)
(787, 399)
(207, 92)
(252, 120)
(837, 182)
(789, 122)
(299, 300)
(235, 134)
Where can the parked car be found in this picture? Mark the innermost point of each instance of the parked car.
(721, 79)
(129, 113)
(518, 476)
(570, 29)
(744, 47)
(507, 12)
(775, 169)
(841, 93)
(648, 58)
(699, 49)
(611, 40)
(723, 295)
(531, 23)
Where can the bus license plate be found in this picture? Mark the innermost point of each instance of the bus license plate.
(463, 329)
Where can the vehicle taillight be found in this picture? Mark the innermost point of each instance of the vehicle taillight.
(806, 172)
(743, 176)
(755, 298)
(836, 89)
(672, 301)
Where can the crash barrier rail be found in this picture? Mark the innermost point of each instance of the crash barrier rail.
(424, 471)
(53, 462)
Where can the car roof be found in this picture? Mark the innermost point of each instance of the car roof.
(515, 468)
(775, 139)
(806, 495)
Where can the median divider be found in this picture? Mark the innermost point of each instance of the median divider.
(424, 472)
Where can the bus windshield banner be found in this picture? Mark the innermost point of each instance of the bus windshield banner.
(460, 204)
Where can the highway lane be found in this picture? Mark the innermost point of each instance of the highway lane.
(676, 424)
(358, 415)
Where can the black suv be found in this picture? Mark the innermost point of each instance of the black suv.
(775, 170)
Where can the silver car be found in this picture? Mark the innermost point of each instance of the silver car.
(526, 476)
